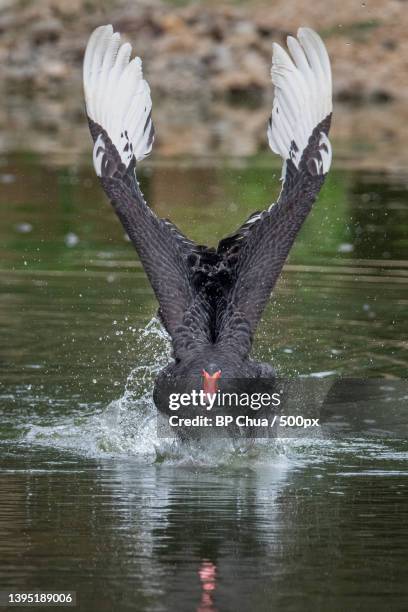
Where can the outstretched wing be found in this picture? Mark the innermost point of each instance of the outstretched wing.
(298, 131)
(119, 105)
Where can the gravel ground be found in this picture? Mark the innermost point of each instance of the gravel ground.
(208, 66)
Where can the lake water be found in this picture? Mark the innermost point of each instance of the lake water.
(92, 501)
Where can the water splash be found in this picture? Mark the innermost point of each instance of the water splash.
(127, 426)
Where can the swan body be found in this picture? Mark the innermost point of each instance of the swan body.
(210, 299)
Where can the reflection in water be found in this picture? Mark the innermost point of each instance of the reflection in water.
(93, 502)
(163, 537)
(207, 573)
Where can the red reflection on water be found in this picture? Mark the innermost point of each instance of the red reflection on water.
(207, 573)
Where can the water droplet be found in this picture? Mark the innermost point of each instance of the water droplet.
(345, 248)
(71, 239)
(24, 228)
(7, 178)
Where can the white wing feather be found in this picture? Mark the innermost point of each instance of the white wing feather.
(117, 96)
(303, 96)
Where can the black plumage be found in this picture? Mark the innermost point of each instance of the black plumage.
(211, 299)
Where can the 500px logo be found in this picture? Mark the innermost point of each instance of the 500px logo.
(196, 399)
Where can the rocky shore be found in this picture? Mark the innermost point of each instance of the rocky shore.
(208, 66)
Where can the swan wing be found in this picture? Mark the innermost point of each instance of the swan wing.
(298, 132)
(119, 110)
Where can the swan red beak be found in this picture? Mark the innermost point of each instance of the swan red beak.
(210, 382)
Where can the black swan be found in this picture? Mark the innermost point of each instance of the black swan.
(210, 299)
